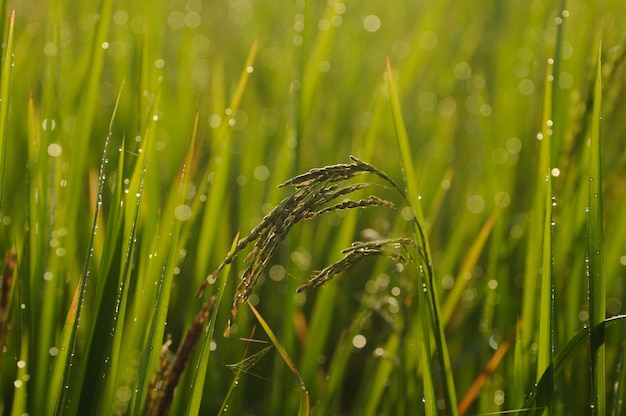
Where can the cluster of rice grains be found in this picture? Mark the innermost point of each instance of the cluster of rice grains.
(316, 192)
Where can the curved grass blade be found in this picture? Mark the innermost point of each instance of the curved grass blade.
(430, 294)
(199, 377)
(538, 399)
(597, 284)
(305, 407)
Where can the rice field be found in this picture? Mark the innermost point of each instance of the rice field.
(255, 207)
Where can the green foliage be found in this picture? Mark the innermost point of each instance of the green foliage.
(485, 197)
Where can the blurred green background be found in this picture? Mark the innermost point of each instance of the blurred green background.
(279, 88)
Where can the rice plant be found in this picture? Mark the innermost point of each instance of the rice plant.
(327, 208)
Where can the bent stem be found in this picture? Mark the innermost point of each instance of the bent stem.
(430, 293)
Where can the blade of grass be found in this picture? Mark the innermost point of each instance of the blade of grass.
(304, 409)
(199, 378)
(65, 385)
(378, 383)
(76, 147)
(322, 316)
(430, 293)
(619, 386)
(5, 85)
(545, 348)
(106, 252)
(128, 249)
(536, 228)
(537, 401)
(339, 364)
(218, 170)
(597, 285)
(491, 366)
(172, 226)
(430, 398)
(469, 262)
(244, 365)
(546, 295)
(20, 396)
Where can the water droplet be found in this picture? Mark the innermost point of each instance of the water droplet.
(359, 341)
(55, 150)
(49, 124)
(182, 212)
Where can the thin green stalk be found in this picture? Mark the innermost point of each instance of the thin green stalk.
(200, 369)
(467, 265)
(597, 284)
(429, 285)
(545, 348)
(215, 177)
(304, 409)
(106, 253)
(536, 401)
(545, 328)
(379, 379)
(131, 214)
(64, 387)
(5, 85)
(172, 225)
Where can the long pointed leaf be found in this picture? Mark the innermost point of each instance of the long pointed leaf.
(597, 284)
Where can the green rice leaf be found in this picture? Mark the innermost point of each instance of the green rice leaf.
(537, 399)
(304, 409)
(200, 369)
(597, 284)
(427, 280)
(5, 85)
